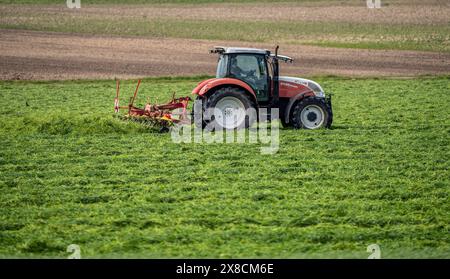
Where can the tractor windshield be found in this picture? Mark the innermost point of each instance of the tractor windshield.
(222, 66)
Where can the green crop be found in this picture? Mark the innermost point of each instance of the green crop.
(72, 173)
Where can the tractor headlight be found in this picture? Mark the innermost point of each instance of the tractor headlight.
(320, 94)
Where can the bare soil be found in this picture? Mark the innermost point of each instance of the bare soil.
(32, 55)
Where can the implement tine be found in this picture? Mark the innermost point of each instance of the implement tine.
(135, 93)
(116, 101)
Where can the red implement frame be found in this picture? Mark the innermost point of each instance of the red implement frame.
(160, 112)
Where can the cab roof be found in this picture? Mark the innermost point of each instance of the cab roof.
(228, 50)
(222, 50)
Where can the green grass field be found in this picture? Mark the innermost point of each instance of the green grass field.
(71, 173)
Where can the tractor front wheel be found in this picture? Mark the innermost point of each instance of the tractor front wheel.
(312, 113)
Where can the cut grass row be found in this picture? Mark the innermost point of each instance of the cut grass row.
(70, 173)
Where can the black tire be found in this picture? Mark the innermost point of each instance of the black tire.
(308, 103)
(237, 93)
(197, 113)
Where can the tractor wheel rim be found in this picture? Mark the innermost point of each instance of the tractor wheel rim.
(229, 112)
(312, 117)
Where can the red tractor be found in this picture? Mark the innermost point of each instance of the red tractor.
(249, 78)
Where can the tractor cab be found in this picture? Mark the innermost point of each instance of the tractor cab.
(256, 67)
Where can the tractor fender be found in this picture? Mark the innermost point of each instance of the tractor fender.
(294, 100)
(205, 86)
(200, 85)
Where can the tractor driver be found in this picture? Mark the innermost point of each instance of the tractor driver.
(238, 72)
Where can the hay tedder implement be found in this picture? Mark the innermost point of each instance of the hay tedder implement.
(156, 115)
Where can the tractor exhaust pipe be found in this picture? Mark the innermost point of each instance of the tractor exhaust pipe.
(276, 84)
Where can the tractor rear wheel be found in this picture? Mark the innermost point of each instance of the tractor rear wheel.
(311, 113)
(229, 108)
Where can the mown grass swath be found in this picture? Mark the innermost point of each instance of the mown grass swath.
(71, 173)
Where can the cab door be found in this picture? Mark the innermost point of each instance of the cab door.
(252, 69)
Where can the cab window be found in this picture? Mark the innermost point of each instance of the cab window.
(252, 69)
